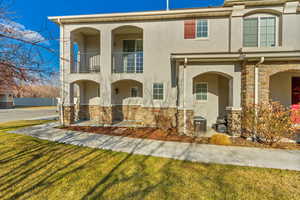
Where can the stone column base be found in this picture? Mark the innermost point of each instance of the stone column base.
(68, 115)
(186, 127)
(234, 120)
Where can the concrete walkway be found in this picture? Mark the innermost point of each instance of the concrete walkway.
(243, 156)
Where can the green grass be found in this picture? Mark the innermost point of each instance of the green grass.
(35, 169)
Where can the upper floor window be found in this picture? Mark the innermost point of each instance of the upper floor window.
(260, 31)
(196, 29)
(202, 28)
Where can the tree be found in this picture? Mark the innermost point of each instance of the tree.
(21, 52)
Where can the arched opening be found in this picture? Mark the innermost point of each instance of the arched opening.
(212, 94)
(284, 87)
(86, 93)
(127, 50)
(85, 50)
(127, 95)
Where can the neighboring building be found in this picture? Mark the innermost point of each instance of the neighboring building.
(6, 98)
(162, 67)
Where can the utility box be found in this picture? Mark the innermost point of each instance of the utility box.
(200, 125)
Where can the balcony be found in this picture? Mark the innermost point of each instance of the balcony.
(85, 50)
(128, 62)
(86, 62)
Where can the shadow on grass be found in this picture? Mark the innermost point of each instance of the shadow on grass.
(34, 169)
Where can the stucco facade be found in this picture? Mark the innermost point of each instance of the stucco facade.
(95, 51)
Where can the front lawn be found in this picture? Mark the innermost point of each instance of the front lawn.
(35, 169)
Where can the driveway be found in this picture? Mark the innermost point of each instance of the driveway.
(26, 113)
(243, 156)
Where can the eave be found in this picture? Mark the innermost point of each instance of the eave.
(144, 16)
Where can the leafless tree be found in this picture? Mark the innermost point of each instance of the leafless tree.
(21, 51)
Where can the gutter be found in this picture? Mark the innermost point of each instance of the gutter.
(256, 79)
(148, 15)
(184, 95)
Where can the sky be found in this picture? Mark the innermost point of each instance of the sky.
(32, 14)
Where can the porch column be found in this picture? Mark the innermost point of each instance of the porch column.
(235, 83)
(68, 104)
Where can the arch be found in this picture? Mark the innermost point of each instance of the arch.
(291, 69)
(118, 81)
(282, 86)
(127, 49)
(82, 28)
(262, 11)
(84, 80)
(85, 50)
(126, 27)
(212, 93)
(215, 72)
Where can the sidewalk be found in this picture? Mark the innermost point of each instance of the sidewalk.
(242, 156)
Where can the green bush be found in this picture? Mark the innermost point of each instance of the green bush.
(220, 139)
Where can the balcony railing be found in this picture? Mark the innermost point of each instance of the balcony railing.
(128, 62)
(86, 62)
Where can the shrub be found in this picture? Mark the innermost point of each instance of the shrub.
(220, 139)
(267, 122)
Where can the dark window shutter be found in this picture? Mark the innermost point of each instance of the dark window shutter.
(189, 29)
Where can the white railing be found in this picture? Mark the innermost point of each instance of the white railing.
(86, 62)
(128, 62)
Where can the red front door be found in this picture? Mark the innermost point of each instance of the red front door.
(295, 90)
(295, 100)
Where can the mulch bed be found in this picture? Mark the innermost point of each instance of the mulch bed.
(171, 135)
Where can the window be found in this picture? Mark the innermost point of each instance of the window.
(201, 90)
(196, 29)
(202, 28)
(158, 91)
(98, 91)
(134, 92)
(133, 58)
(267, 31)
(259, 32)
(250, 32)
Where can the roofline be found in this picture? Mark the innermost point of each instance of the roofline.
(145, 15)
(255, 2)
(234, 56)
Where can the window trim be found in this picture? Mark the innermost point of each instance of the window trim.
(258, 17)
(163, 91)
(201, 100)
(196, 30)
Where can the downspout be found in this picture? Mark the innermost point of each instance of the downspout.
(256, 80)
(184, 96)
(62, 75)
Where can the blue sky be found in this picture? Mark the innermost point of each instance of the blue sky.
(33, 13)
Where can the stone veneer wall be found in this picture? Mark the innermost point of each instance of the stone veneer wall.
(269, 69)
(247, 84)
(189, 128)
(146, 116)
(68, 115)
(266, 70)
(234, 119)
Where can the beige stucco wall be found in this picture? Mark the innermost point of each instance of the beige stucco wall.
(281, 87)
(164, 37)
